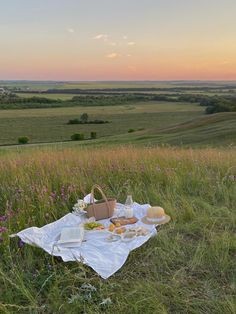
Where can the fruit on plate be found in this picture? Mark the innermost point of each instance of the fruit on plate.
(117, 224)
(130, 234)
(120, 230)
(140, 231)
(111, 227)
(93, 226)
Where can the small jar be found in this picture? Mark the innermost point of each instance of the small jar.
(129, 212)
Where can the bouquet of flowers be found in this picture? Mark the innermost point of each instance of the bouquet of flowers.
(79, 207)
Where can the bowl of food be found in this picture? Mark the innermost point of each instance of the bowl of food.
(128, 236)
(92, 226)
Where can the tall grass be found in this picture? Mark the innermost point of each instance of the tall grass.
(188, 268)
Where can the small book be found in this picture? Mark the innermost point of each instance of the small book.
(71, 235)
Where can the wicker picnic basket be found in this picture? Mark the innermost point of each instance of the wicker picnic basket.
(101, 209)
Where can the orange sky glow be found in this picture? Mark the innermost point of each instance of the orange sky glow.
(148, 40)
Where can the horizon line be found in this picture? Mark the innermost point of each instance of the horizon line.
(116, 81)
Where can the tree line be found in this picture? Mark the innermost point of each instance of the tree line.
(213, 104)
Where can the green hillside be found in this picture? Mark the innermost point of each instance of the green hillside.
(216, 130)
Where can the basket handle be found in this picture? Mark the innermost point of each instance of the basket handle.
(96, 186)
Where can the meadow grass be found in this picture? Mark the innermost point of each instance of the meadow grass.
(189, 267)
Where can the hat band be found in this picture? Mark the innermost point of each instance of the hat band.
(156, 219)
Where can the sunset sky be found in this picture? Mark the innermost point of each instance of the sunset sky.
(118, 40)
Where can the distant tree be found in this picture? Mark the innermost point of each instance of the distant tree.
(93, 135)
(74, 121)
(77, 137)
(23, 140)
(210, 109)
(131, 131)
(84, 117)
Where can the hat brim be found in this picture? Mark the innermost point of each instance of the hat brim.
(164, 221)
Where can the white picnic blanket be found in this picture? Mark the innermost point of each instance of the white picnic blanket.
(104, 257)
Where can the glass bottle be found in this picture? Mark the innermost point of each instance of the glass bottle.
(129, 213)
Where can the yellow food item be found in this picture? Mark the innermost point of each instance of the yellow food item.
(111, 227)
(117, 224)
(120, 231)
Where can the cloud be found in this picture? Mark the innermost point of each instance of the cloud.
(129, 55)
(70, 30)
(131, 43)
(113, 55)
(125, 37)
(101, 36)
(113, 44)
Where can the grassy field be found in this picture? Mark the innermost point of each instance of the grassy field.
(218, 130)
(50, 125)
(63, 96)
(188, 268)
(43, 85)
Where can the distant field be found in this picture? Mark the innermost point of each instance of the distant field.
(63, 96)
(40, 85)
(49, 125)
(86, 85)
(153, 122)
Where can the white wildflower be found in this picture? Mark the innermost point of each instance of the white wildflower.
(106, 302)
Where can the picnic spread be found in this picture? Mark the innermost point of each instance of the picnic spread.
(99, 234)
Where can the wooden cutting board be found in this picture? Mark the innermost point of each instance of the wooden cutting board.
(124, 221)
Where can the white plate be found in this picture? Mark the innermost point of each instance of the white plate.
(116, 238)
(124, 239)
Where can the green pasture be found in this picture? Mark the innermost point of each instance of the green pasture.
(50, 125)
(218, 130)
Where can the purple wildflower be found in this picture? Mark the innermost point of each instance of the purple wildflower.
(3, 218)
(53, 195)
(63, 192)
(3, 229)
(20, 243)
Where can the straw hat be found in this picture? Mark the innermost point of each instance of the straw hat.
(156, 216)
